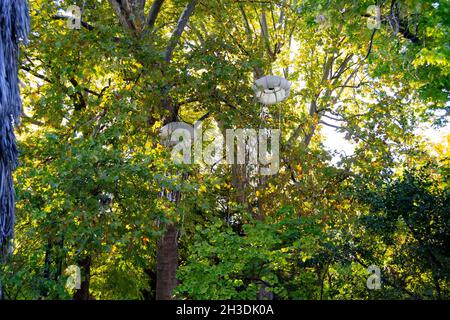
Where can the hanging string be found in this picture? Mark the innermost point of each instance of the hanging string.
(279, 118)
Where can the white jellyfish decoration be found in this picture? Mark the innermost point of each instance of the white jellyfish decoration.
(271, 89)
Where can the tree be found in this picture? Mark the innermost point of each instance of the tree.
(96, 187)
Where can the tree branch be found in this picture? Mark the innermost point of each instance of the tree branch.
(154, 11)
(122, 13)
(265, 33)
(176, 35)
(84, 24)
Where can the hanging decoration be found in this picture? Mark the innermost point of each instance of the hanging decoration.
(271, 89)
(14, 28)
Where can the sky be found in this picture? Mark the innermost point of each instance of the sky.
(335, 141)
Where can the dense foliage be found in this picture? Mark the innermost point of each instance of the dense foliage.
(93, 173)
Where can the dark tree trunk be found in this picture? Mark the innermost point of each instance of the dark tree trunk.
(44, 291)
(167, 264)
(149, 294)
(47, 260)
(264, 294)
(83, 292)
(59, 259)
(2, 297)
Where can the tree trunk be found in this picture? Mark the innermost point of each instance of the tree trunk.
(150, 293)
(263, 293)
(47, 268)
(167, 264)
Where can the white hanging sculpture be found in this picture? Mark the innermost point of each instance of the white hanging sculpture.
(271, 89)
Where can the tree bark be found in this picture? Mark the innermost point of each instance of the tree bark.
(167, 264)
